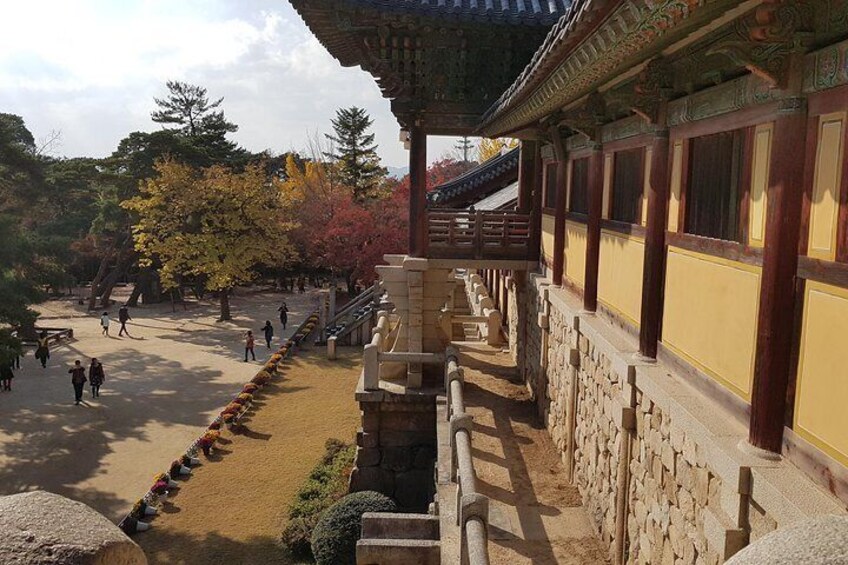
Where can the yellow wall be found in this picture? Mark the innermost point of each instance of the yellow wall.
(759, 182)
(710, 316)
(575, 253)
(548, 237)
(676, 184)
(620, 274)
(821, 397)
(605, 206)
(823, 215)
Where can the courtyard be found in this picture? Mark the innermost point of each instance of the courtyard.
(163, 386)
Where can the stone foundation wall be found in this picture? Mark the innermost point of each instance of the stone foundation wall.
(656, 463)
(396, 451)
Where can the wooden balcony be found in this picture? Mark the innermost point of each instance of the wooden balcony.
(478, 235)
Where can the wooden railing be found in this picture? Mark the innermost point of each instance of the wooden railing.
(482, 234)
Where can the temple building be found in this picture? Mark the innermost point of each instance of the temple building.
(671, 274)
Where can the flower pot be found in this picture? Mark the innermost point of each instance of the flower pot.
(173, 484)
(142, 526)
(150, 511)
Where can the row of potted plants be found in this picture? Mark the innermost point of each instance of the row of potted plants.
(137, 520)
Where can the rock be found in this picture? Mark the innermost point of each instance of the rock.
(372, 478)
(367, 457)
(41, 528)
(819, 540)
(414, 489)
(396, 458)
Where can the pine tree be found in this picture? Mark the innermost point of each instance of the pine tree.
(355, 152)
(464, 146)
(198, 120)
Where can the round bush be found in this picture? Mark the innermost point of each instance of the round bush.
(339, 528)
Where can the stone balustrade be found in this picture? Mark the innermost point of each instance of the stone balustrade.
(472, 508)
(483, 310)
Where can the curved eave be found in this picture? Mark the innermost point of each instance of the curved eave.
(486, 176)
(590, 45)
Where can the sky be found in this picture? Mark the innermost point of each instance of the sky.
(89, 70)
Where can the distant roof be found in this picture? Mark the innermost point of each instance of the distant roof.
(497, 200)
(488, 176)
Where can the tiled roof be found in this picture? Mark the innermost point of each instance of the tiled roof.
(475, 178)
(497, 200)
(524, 12)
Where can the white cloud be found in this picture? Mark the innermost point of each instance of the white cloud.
(92, 67)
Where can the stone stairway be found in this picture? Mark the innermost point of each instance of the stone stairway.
(465, 331)
(399, 539)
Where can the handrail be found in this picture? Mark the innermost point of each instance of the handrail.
(480, 234)
(472, 509)
(354, 304)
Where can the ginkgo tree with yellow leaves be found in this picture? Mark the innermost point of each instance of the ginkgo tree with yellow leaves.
(213, 224)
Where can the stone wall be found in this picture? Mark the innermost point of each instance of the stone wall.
(396, 448)
(657, 464)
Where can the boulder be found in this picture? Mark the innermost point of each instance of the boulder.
(42, 528)
(816, 541)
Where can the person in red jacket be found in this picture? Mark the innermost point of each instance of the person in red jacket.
(248, 345)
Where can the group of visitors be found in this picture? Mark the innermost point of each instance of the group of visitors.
(267, 331)
(123, 318)
(96, 377)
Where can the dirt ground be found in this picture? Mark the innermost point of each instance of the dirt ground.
(535, 515)
(233, 508)
(163, 386)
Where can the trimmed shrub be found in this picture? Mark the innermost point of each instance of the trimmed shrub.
(326, 484)
(339, 528)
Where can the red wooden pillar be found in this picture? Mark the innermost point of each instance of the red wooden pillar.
(593, 229)
(536, 204)
(527, 175)
(559, 213)
(652, 276)
(417, 192)
(777, 289)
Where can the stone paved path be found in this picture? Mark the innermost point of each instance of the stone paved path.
(162, 387)
(535, 515)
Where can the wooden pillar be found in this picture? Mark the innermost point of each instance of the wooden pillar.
(417, 192)
(527, 175)
(536, 203)
(775, 325)
(504, 299)
(559, 215)
(652, 274)
(593, 229)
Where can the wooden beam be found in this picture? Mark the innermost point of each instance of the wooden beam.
(593, 229)
(417, 192)
(777, 289)
(559, 212)
(654, 266)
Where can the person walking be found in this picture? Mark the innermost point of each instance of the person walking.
(284, 314)
(42, 351)
(104, 323)
(268, 330)
(248, 345)
(6, 376)
(124, 317)
(78, 380)
(301, 285)
(96, 376)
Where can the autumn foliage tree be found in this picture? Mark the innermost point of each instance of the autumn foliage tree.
(214, 225)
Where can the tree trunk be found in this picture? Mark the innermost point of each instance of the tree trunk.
(142, 285)
(225, 305)
(95, 283)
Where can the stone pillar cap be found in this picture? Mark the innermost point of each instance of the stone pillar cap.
(816, 541)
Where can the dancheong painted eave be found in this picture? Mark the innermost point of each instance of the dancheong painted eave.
(591, 44)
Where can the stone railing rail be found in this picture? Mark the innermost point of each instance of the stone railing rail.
(482, 308)
(375, 353)
(372, 294)
(472, 508)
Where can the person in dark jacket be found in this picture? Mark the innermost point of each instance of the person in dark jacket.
(42, 352)
(124, 317)
(96, 376)
(78, 380)
(6, 376)
(268, 330)
(284, 314)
